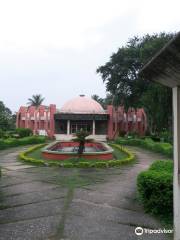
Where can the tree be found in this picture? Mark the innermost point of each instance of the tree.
(6, 117)
(99, 100)
(36, 100)
(108, 100)
(121, 76)
(157, 103)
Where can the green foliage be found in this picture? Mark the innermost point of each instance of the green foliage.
(13, 142)
(81, 139)
(112, 163)
(121, 75)
(166, 136)
(155, 188)
(68, 165)
(2, 133)
(83, 163)
(36, 100)
(148, 143)
(103, 101)
(24, 155)
(7, 120)
(24, 132)
(101, 164)
(162, 166)
(99, 100)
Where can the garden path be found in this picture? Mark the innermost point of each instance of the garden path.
(72, 204)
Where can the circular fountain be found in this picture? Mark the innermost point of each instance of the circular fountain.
(63, 150)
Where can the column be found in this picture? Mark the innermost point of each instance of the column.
(176, 184)
(26, 120)
(68, 127)
(94, 127)
(35, 122)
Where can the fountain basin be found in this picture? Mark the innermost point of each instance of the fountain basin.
(63, 150)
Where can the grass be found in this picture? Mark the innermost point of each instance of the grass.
(121, 156)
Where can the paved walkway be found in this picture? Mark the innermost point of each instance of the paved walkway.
(72, 204)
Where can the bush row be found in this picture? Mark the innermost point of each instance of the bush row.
(155, 188)
(24, 132)
(98, 164)
(16, 133)
(159, 147)
(13, 142)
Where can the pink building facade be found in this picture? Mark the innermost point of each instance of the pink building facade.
(81, 112)
(40, 120)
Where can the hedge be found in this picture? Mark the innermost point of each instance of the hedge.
(155, 188)
(149, 144)
(24, 132)
(14, 142)
(98, 164)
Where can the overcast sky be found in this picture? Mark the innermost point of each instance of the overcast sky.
(54, 47)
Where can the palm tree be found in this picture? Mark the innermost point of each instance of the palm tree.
(36, 100)
(81, 139)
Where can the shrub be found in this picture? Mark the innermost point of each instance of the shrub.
(68, 165)
(2, 144)
(160, 147)
(163, 166)
(53, 163)
(24, 132)
(101, 164)
(31, 140)
(13, 142)
(155, 188)
(83, 165)
(166, 136)
(112, 163)
(23, 156)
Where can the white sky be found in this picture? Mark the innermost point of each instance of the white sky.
(54, 47)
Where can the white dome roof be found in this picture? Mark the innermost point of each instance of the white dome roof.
(82, 104)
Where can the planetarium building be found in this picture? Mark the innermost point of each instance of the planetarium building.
(81, 113)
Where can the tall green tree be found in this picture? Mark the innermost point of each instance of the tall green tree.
(36, 100)
(6, 118)
(122, 79)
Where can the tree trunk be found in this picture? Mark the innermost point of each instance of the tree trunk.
(81, 148)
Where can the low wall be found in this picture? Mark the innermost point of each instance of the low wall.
(65, 156)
